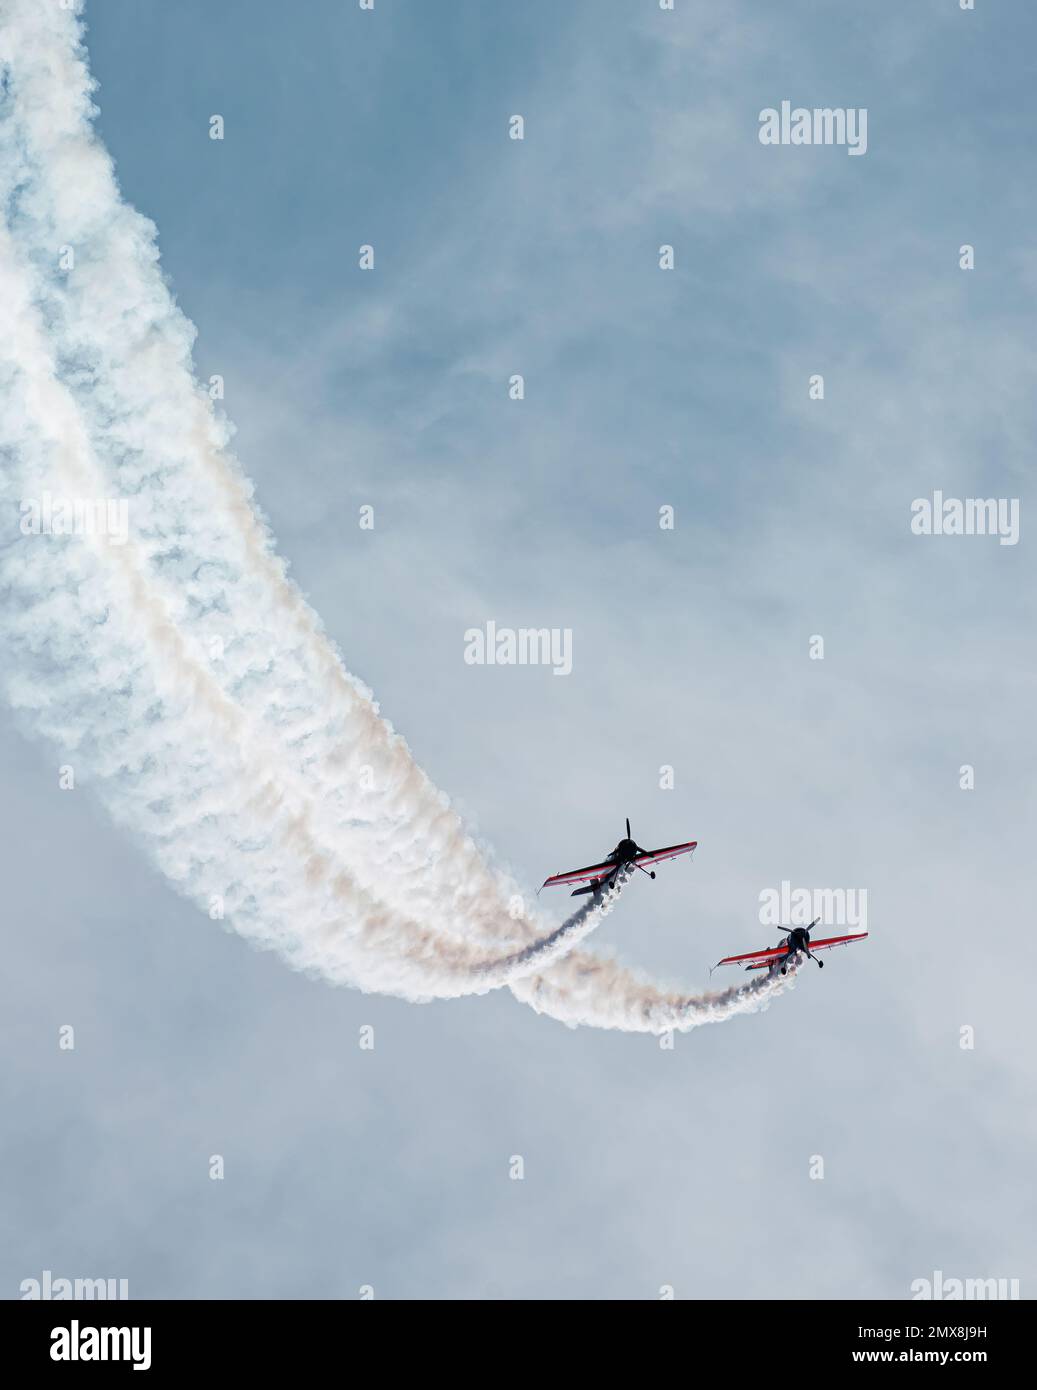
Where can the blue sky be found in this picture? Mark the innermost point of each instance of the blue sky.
(643, 388)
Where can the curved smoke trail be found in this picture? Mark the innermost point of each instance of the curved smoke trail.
(106, 402)
(83, 676)
(595, 991)
(183, 668)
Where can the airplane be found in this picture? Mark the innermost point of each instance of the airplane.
(627, 853)
(798, 939)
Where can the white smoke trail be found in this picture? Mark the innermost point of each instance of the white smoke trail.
(43, 147)
(186, 671)
(595, 991)
(91, 651)
(127, 353)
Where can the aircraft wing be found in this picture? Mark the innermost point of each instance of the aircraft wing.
(755, 960)
(656, 856)
(758, 960)
(829, 941)
(592, 871)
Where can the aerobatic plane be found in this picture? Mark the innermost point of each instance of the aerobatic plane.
(627, 853)
(798, 939)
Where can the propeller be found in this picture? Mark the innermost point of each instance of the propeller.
(787, 931)
(805, 946)
(639, 850)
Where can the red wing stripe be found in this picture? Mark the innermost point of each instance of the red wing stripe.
(837, 940)
(603, 870)
(775, 951)
(574, 875)
(765, 955)
(655, 855)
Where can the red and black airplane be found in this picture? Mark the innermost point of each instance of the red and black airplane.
(798, 939)
(626, 854)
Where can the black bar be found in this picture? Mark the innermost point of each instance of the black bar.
(272, 1338)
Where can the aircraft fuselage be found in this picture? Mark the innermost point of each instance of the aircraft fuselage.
(624, 852)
